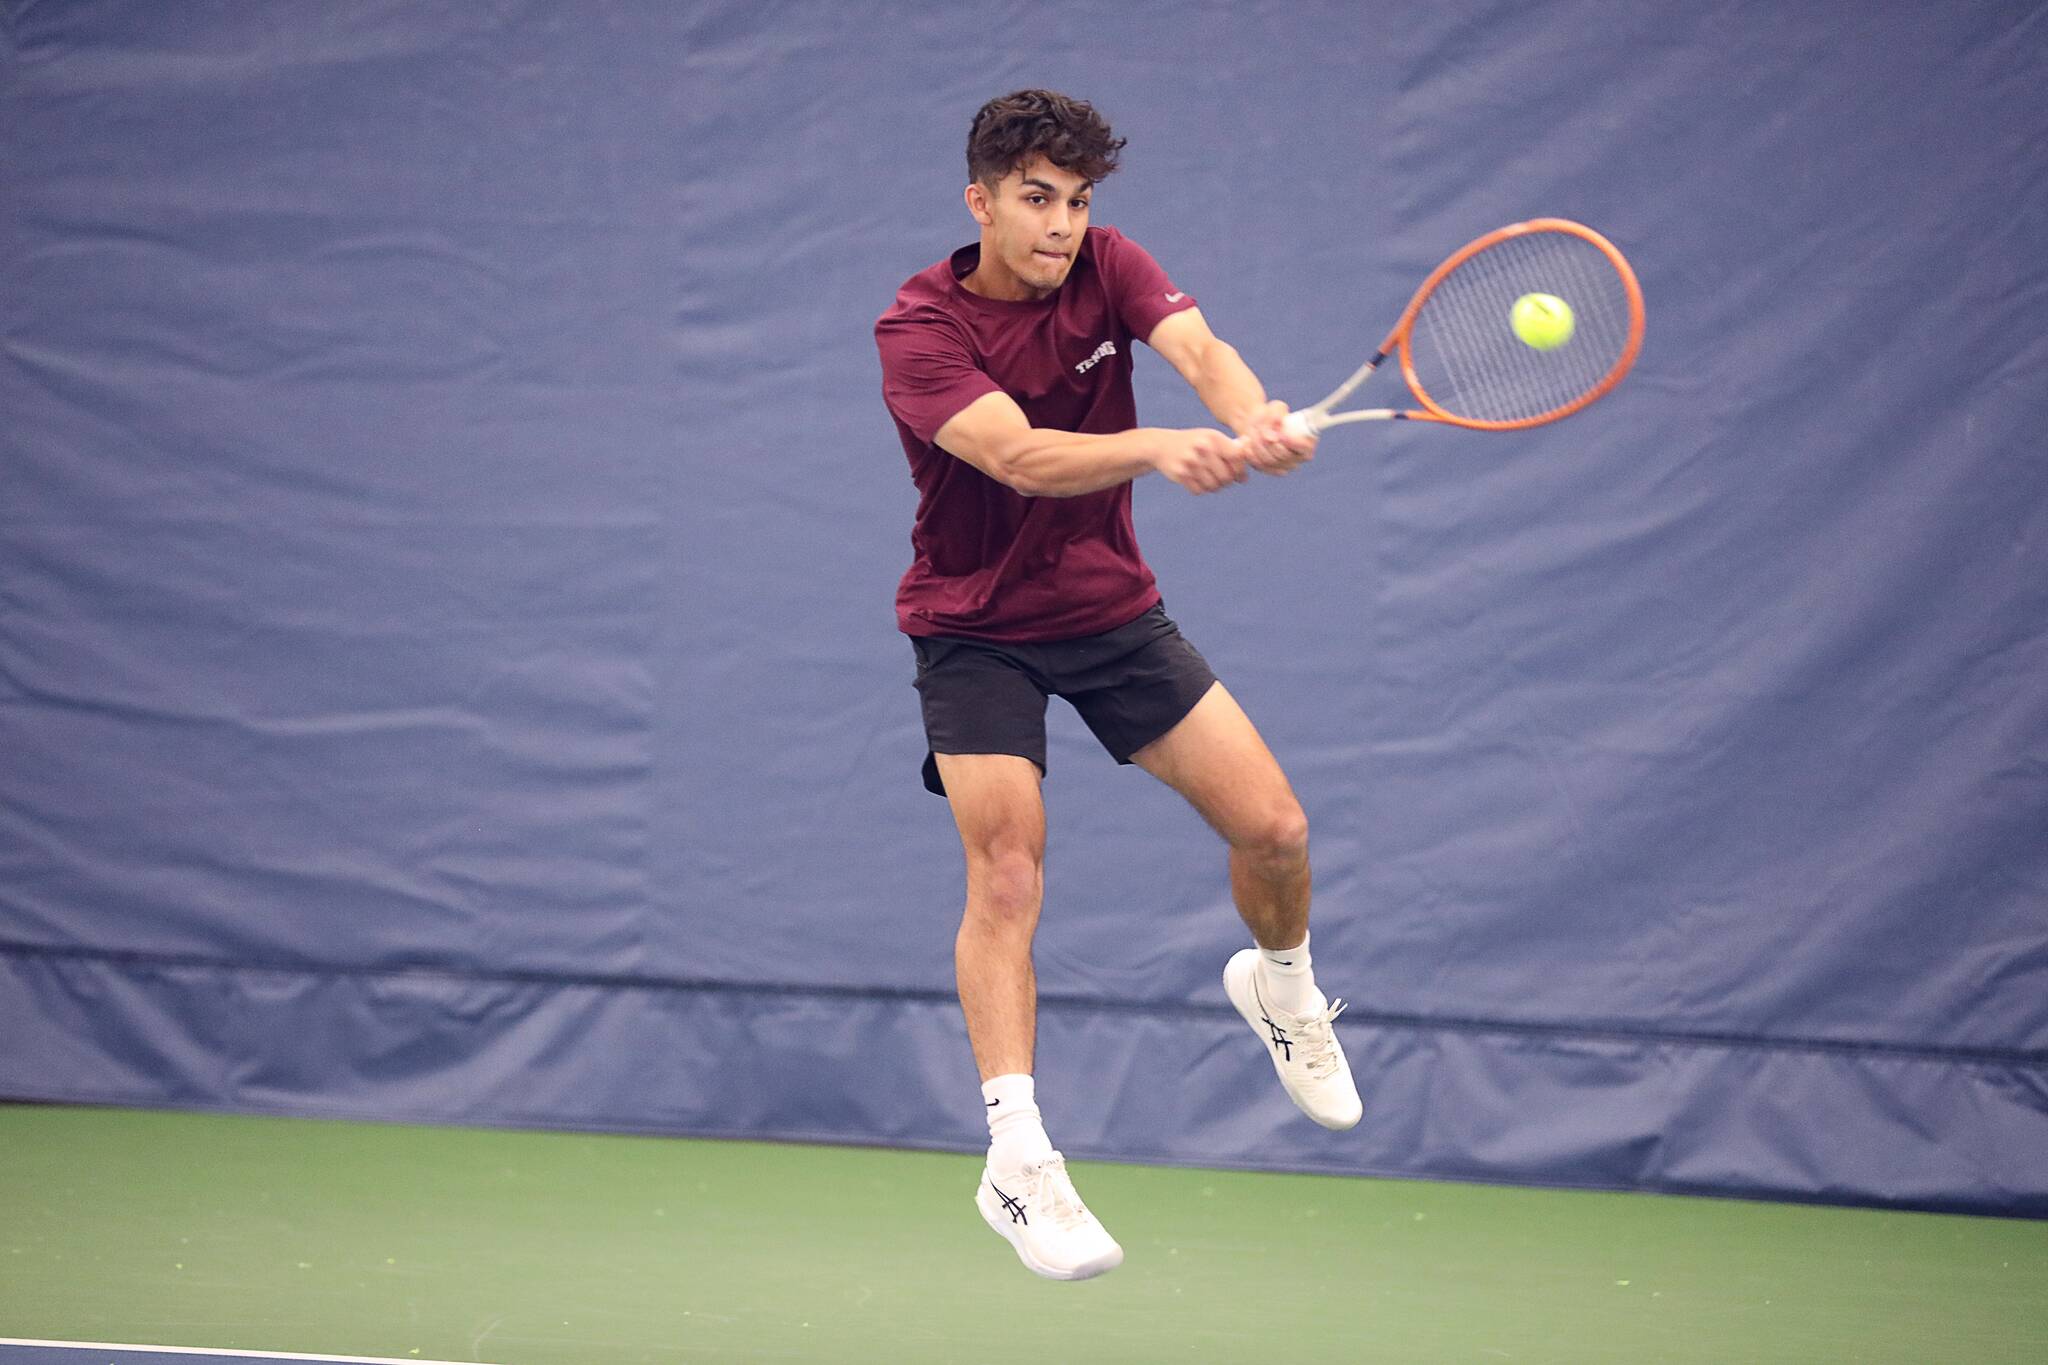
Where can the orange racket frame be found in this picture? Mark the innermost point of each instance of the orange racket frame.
(1308, 421)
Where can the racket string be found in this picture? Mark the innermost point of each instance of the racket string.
(1465, 356)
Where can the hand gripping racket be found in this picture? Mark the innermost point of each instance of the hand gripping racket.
(1459, 349)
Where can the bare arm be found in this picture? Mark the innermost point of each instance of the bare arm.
(993, 434)
(1229, 389)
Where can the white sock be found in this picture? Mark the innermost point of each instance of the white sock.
(1288, 980)
(1016, 1131)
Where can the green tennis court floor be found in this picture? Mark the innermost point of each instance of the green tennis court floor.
(321, 1237)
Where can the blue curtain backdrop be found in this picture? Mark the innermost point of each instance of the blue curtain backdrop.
(449, 523)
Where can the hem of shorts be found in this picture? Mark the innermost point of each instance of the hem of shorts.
(1124, 760)
(933, 754)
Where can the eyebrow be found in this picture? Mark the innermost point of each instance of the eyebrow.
(1050, 188)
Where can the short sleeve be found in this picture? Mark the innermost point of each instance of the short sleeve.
(928, 374)
(1138, 286)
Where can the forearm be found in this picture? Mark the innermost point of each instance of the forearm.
(1222, 380)
(1043, 463)
(1227, 386)
(992, 434)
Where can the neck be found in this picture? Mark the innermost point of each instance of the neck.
(991, 279)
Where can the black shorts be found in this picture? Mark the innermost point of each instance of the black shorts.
(1131, 685)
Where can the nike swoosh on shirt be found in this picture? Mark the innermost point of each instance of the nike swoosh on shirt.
(1175, 297)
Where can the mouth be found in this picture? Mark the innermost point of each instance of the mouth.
(1042, 254)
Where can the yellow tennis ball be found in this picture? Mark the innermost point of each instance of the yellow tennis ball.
(1543, 321)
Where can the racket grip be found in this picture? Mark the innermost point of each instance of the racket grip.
(1304, 423)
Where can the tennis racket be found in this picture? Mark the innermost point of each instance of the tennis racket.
(1459, 350)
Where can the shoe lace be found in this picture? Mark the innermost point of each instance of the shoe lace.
(1315, 1042)
(1054, 1194)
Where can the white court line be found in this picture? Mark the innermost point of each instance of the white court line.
(239, 1355)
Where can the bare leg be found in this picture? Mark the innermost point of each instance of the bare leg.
(1218, 762)
(1216, 759)
(1001, 814)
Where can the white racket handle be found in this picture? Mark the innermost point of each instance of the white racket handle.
(1305, 423)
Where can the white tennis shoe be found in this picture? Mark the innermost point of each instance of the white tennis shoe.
(1304, 1048)
(1037, 1212)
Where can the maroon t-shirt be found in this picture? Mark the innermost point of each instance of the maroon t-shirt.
(990, 563)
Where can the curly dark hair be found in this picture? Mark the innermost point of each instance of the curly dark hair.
(1009, 131)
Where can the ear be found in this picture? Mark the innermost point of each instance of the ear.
(977, 203)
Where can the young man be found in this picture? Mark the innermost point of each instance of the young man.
(1007, 368)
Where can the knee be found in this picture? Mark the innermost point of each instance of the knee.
(1276, 835)
(1004, 887)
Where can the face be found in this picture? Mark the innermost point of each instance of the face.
(1031, 226)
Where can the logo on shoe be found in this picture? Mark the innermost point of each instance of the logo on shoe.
(1015, 1207)
(1279, 1039)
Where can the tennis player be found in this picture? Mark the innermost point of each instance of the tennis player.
(1007, 368)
